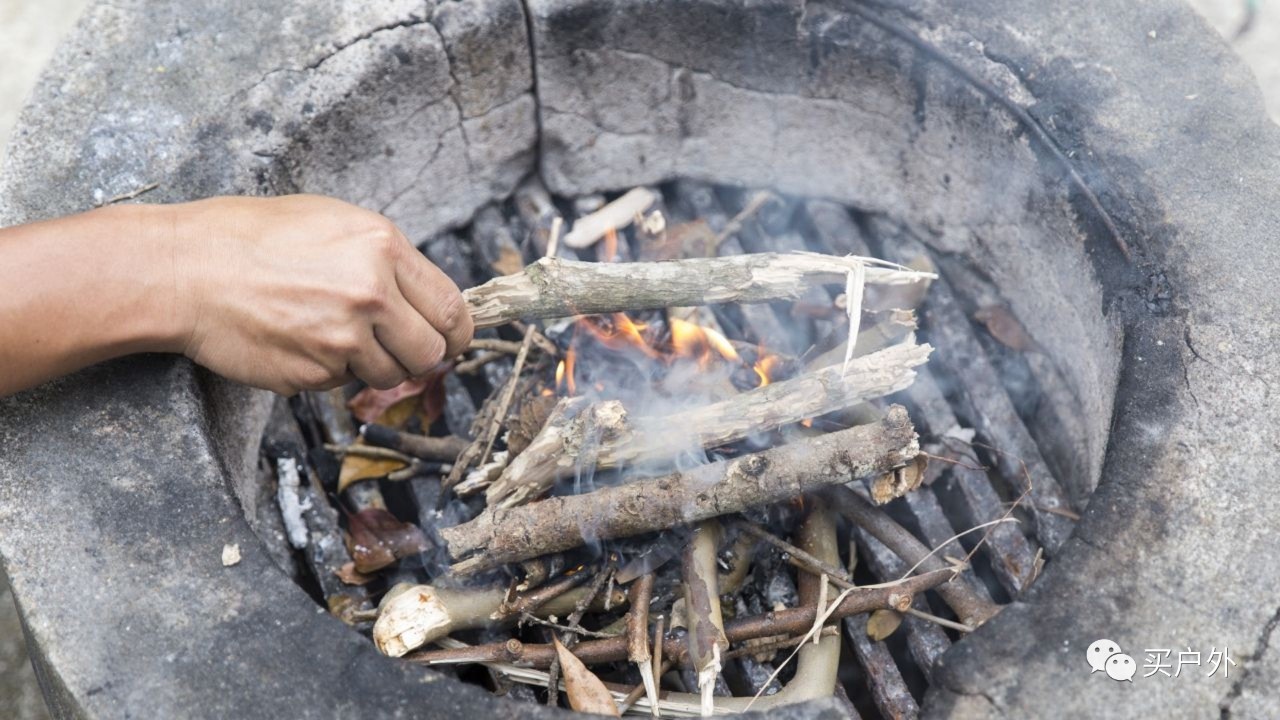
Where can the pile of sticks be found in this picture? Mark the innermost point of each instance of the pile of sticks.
(652, 586)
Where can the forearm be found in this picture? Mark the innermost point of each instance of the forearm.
(82, 289)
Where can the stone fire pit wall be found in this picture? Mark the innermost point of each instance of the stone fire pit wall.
(119, 486)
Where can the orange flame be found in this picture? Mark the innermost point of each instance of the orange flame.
(695, 341)
(765, 366)
(564, 373)
(620, 334)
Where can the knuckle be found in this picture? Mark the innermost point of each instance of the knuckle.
(370, 296)
(385, 239)
(342, 343)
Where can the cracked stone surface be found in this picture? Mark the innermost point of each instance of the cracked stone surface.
(428, 110)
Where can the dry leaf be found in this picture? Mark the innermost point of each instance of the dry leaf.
(1006, 328)
(882, 624)
(399, 414)
(370, 403)
(356, 468)
(348, 575)
(376, 538)
(587, 694)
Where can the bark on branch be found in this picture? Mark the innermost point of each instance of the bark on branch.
(562, 446)
(552, 287)
(501, 535)
(791, 621)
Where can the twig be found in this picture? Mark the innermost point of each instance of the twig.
(501, 535)
(702, 608)
(420, 446)
(510, 347)
(735, 223)
(638, 636)
(969, 606)
(557, 450)
(816, 672)
(614, 216)
(477, 363)
(552, 287)
(368, 451)
(130, 195)
(895, 595)
(424, 613)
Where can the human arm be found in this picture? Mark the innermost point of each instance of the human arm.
(288, 294)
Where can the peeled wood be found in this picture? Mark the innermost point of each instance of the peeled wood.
(502, 535)
(552, 287)
(560, 448)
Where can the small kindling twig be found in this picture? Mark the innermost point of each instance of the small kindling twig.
(972, 609)
(707, 641)
(638, 636)
(735, 223)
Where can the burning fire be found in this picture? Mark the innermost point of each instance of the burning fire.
(696, 342)
(704, 347)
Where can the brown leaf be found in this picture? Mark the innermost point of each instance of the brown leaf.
(370, 403)
(356, 468)
(347, 574)
(376, 538)
(587, 694)
(398, 415)
(882, 624)
(1006, 328)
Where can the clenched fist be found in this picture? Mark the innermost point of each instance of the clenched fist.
(288, 294)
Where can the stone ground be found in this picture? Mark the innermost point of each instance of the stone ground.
(29, 31)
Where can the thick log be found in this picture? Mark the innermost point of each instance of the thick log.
(501, 535)
(553, 287)
(561, 447)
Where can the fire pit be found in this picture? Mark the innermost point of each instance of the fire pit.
(1103, 177)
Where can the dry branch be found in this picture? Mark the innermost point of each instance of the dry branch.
(501, 535)
(969, 606)
(551, 287)
(420, 446)
(791, 621)
(560, 448)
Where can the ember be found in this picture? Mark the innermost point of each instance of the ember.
(638, 498)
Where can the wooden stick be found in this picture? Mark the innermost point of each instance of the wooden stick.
(791, 621)
(702, 609)
(419, 446)
(557, 451)
(971, 607)
(501, 535)
(616, 215)
(552, 287)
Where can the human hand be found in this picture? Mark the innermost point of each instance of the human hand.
(305, 292)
